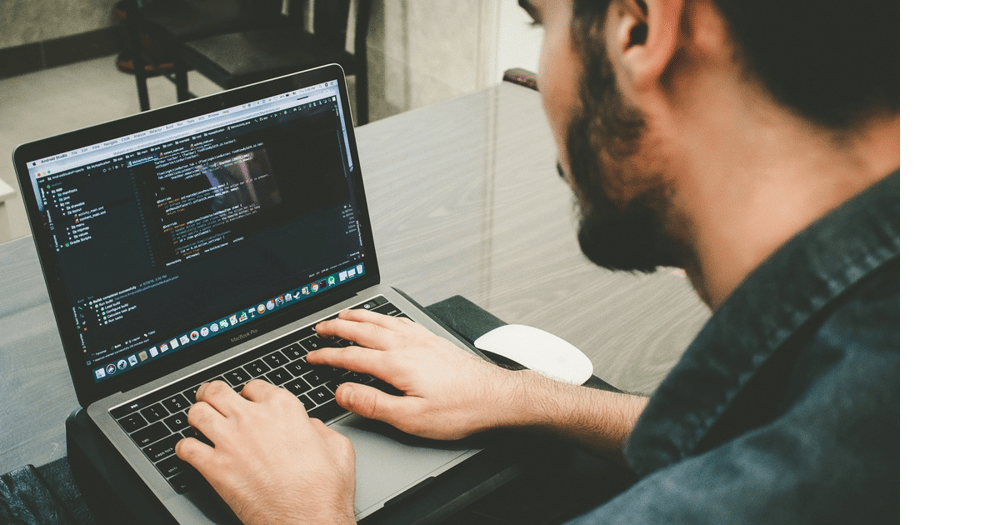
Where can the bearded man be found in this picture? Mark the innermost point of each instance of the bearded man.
(753, 143)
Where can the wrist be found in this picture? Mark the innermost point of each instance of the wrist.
(599, 419)
(522, 400)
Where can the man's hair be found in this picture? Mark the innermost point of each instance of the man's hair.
(836, 63)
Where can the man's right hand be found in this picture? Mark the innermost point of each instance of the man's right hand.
(448, 393)
(451, 394)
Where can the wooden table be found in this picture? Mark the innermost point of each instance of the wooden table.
(465, 200)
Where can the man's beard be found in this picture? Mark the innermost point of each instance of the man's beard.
(601, 137)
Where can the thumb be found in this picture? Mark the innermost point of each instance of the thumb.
(370, 402)
(335, 440)
(193, 451)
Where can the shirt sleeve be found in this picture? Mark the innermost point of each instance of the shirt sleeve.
(833, 457)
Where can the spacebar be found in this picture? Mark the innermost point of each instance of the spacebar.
(326, 411)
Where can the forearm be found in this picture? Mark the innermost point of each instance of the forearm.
(598, 419)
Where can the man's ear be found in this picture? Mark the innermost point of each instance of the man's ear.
(642, 38)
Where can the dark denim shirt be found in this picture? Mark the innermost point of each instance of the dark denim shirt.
(785, 408)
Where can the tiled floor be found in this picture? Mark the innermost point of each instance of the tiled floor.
(62, 99)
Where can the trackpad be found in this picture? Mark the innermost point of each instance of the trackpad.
(390, 461)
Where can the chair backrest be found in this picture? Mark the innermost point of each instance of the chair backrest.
(263, 8)
(330, 21)
(330, 18)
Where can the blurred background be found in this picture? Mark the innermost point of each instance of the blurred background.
(66, 64)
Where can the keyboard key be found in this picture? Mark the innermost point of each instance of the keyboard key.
(183, 481)
(172, 466)
(294, 351)
(132, 422)
(298, 367)
(320, 395)
(176, 403)
(368, 305)
(312, 343)
(125, 410)
(237, 377)
(306, 402)
(372, 304)
(162, 448)
(278, 376)
(319, 376)
(276, 359)
(388, 309)
(256, 368)
(154, 412)
(177, 422)
(190, 394)
(297, 386)
(188, 479)
(151, 434)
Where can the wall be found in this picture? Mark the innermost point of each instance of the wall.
(519, 43)
(421, 53)
(424, 52)
(31, 21)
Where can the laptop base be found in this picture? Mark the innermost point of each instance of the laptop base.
(115, 494)
(518, 478)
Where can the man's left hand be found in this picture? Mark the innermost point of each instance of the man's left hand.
(270, 462)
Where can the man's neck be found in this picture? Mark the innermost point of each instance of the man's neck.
(768, 184)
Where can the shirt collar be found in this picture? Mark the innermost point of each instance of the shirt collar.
(772, 303)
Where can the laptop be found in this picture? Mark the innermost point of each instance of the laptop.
(204, 241)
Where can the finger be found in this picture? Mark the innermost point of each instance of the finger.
(358, 325)
(220, 396)
(205, 418)
(367, 316)
(372, 403)
(258, 390)
(363, 333)
(194, 452)
(357, 359)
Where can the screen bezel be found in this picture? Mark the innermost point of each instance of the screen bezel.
(87, 389)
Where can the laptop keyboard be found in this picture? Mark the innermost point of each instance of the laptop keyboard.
(157, 421)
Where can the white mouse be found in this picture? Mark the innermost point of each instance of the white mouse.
(540, 351)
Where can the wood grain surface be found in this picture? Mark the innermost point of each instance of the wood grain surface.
(465, 200)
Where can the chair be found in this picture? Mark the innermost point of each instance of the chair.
(167, 24)
(284, 46)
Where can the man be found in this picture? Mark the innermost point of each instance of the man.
(754, 144)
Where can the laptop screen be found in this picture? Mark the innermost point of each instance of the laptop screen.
(170, 239)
